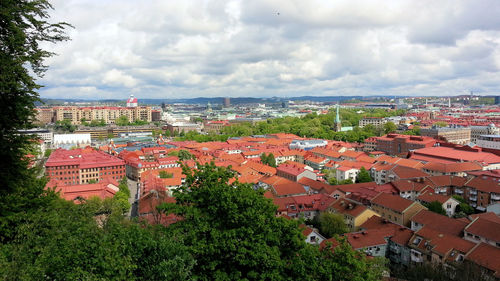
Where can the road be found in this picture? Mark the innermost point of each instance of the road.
(132, 186)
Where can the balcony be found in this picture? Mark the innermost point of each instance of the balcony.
(459, 191)
(441, 190)
(395, 249)
(415, 258)
(473, 192)
(473, 198)
(495, 196)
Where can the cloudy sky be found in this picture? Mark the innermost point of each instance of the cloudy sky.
(175, 49)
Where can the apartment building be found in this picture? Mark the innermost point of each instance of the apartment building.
(455, 134)
(375, 121)
(394, 144)
(79, 166)
(76, 114)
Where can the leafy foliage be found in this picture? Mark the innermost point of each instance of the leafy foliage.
(65, 126)
(436, 207)
(331, 224)
(65, 241)
(165, 175)
(232, 232)
(463, 207)
(389, 127)
(268, 159)
(363, 176)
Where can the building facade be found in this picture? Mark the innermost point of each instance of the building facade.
(80, 166)
(456, 135)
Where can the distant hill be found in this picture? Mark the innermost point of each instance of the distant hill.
(220, 100)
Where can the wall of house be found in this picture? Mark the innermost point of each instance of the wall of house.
(364, 216)
(410, 212)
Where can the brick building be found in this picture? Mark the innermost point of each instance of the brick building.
(79, 166)
(395, 144)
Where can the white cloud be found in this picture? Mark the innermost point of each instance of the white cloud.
(167, 49)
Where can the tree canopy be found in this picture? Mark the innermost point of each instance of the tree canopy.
(363, 176)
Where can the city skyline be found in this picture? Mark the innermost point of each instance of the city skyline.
(195, 49)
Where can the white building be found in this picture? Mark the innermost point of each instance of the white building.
(71, 140)
(307, 144)
(477, 131)
(489, 141)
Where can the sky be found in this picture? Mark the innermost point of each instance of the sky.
(263, 48)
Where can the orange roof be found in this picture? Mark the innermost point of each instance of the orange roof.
(441, 243)
(349, 207)
(289, 189)
(261, 168)
(453, 167)
(393, 202)
(486, 256)
(429, 197)
(439, 222)
(485, 228)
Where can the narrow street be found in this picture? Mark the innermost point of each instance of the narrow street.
(132, 186)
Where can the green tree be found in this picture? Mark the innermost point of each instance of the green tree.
(185, 155)
(121, 198)
(47, 153)
(122, 121)
(268, 159)
(363, 176)
(24, 27)
(389, 127)
(331, 224)
(463, 207)
(440, 124)
(436, 207)
(65, 126)
(232, 230)
(346, 181)
(165, 175)
(65, 241)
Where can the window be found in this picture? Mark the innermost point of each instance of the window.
(417, 241)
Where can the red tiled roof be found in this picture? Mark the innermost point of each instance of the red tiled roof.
(367, 238)
(486, 256)
(288, 189)
(452, 167)
(408, 173)
(487, 216)
(429, 197)
(393, 202)
(316, 185)
(485, 228)
(442, 243)
(346, 206)
(457, 155)
(439, 222)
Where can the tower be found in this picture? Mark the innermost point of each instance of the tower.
(338, 125)
(132, 101)
(227, 102)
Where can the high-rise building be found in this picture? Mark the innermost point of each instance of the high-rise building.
(497, 100)
(227, 102)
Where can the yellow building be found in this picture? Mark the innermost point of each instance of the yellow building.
(109, 114)
(395, 208)
(354, 214)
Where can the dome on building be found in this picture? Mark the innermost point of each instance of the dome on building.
(132, 101)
